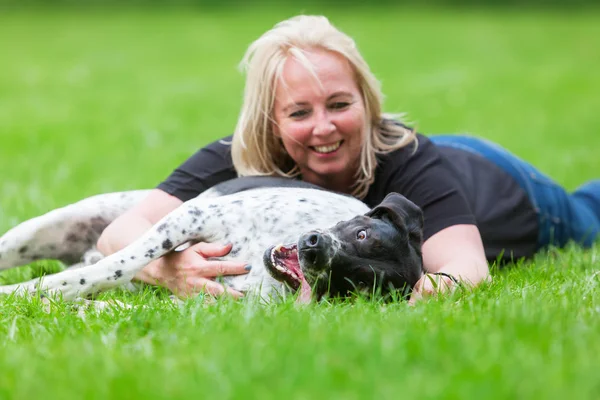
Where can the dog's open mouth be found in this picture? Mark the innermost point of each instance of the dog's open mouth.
(283, 264)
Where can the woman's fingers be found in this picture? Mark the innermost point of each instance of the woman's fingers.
(216, 289)
(192, 287)
(207, 250)
(429, 285)
(191, 271)
(213, 269)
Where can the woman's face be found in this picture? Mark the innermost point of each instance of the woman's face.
(321, 125)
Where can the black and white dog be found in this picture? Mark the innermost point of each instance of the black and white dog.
(329, 243)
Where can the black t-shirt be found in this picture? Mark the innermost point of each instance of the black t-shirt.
(505, 216)
(451, 187)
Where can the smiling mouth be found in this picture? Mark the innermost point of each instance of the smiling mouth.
(327, 149)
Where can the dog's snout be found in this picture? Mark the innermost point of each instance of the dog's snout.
(315, 240)
(312, 240)
(314, 250)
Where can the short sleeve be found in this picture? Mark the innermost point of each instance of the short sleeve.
(207, 167)
(425, 178)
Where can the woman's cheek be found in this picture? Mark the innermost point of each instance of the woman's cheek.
(352, 120)
(359, 118)
(300, 132)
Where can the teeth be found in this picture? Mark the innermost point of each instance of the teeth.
(274, 262)
(276, 248)
(282, 268)
(328, 149)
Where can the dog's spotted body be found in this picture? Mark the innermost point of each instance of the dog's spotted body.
(68, 234)
(252, 213)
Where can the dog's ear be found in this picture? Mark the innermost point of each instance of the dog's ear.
(401, 212)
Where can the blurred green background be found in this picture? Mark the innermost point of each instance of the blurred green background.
(102, 98)
(105, 96)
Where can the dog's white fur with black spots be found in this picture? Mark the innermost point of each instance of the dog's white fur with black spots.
(254, 214)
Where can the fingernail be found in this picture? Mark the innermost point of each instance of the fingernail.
(248, 267)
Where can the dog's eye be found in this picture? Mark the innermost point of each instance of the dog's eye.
(361, 235)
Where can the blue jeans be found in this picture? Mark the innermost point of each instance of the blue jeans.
(562, 216)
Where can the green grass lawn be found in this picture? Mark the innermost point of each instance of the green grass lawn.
(103, 101)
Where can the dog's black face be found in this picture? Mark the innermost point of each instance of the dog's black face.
(380, 251)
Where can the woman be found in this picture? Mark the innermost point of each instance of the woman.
(312, 111)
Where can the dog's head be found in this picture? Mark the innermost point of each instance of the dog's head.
(379, 251)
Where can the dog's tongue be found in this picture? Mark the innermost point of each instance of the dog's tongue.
(305, 292)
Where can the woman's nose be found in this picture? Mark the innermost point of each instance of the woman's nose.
(323, 124)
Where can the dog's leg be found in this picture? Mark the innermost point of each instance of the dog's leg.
(64, 234)
(191, 221)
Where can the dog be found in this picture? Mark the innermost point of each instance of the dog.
(329, 243)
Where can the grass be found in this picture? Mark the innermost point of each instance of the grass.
(103, 101)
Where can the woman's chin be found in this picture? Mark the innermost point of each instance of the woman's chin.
(326, 175)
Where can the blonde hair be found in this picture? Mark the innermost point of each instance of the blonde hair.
(255, 148)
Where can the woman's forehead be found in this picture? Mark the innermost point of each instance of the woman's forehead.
(319, 73)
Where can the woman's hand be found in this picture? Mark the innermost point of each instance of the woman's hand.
(454, 254)
(189, 272)
(433, 285)
(186, 272)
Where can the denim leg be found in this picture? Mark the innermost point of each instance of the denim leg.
(561, 217)
(590, 194)
(587, 199)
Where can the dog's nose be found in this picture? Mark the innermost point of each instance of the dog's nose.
(314, 250)
(312, 240)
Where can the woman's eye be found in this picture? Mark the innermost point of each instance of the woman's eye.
(361, 235)
(299, 113)
(340, 105)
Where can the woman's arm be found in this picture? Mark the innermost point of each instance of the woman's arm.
(137, 220)
(457, 251)
(452, 242)
(186, 272)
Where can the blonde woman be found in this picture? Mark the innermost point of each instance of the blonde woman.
(312, 111)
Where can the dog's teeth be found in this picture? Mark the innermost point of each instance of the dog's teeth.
(275, 249)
